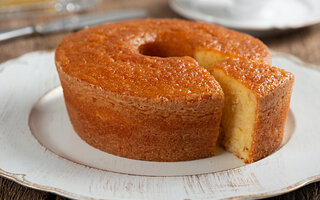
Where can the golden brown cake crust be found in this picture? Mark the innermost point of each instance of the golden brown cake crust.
(108, 54)
(261, 78)
(132, 129)
(132, 89)
(271, 119)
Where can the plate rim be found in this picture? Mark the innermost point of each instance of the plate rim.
(12, 177)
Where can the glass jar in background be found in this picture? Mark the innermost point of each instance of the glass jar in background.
(37, 8)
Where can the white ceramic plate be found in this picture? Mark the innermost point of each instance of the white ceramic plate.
(32, 112)
(259, 18)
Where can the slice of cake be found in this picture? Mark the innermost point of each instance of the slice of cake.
(257, 98)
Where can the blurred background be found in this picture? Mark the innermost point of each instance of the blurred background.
(288, 26)
(281, 32)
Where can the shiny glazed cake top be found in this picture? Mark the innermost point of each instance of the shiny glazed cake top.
(261, 78)
(152, 57)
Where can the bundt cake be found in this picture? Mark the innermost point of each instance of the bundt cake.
(142, 89)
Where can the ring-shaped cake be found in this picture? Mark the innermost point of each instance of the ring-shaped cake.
(142, 89)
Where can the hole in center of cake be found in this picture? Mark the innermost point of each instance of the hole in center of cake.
(164, 49)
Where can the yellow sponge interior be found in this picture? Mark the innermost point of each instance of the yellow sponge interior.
(207, 58)
(238, 118)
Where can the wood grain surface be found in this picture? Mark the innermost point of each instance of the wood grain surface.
(303, 43)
